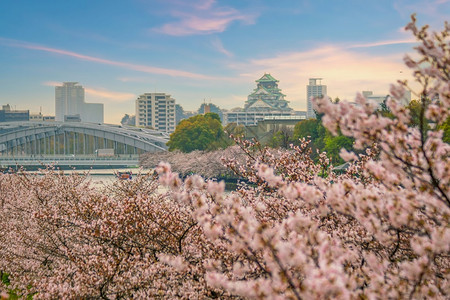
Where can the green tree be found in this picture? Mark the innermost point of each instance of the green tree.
(128, 120)
(281, 138)
(417, 110)
(314, 129)
(333, 145)
(237, 130)
(200, 132)
(415, 107)
(445, 127)
(306, 128)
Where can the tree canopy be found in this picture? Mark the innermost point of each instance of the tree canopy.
(200, 132)
(237, 130)
(321, 139)
(281, 138)
(307, 128)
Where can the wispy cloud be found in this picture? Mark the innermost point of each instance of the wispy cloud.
(134, 79)
(218, 45)
(231, 101)
(52, 83)
(125, 65)
(109, 96)
(383, 43)
(204, 4)
(202, 17)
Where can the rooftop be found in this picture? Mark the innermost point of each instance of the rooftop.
(267, 78)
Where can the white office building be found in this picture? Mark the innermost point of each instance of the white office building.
(249, 118)
(156, 110)
(380, 99)
(314, 89)
(69, 102)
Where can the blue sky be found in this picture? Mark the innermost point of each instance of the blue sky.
(202, 49)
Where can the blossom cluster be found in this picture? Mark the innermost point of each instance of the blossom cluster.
(207, 164)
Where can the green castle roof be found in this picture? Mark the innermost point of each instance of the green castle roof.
(267, 78)
(274, 90)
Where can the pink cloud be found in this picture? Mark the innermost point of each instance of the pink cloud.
(218, 45)
(384, 43)
(205, 4)
(203, 17)
(52, 83)
(109, 95)
(99, 93)
(125, 65)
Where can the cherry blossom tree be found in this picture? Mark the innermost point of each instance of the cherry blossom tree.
(62, 238)
(207, 164)
(379, 231)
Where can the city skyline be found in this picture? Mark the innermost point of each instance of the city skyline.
(206, 49)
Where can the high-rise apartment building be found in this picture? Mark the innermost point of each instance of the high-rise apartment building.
(314, 89)
(156, 110)
(69, 102)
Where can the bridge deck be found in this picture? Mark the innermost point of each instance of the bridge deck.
(80, 160)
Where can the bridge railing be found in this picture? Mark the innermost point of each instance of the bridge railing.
(61, 160)
(69, 157)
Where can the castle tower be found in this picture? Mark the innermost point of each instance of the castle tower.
(266, 96)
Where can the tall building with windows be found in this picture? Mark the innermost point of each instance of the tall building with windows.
(69, 102)
(156, 110)
(314, 89)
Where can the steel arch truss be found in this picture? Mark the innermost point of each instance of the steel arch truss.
(44, 138)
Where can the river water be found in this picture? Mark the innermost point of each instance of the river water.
(100, 177)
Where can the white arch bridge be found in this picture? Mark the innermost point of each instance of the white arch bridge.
(73, 143)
